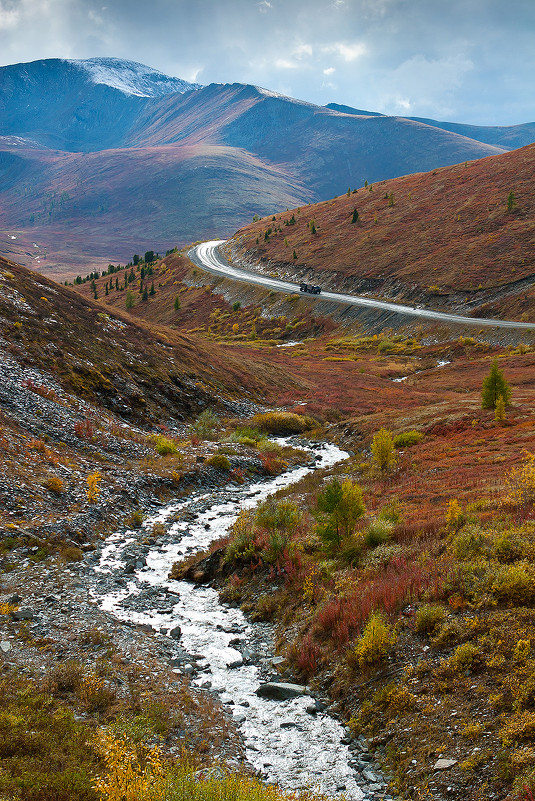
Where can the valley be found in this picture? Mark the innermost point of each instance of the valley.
(258, 544)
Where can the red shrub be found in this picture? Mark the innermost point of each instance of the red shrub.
(84, 429)
(308, 656)
(399, 584)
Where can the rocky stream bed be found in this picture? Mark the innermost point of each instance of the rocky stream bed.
(285, 732)
(289, 737)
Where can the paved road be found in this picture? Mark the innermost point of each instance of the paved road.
(208, 256)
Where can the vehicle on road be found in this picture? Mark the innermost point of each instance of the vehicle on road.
(312, 289)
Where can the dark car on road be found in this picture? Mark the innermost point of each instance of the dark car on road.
(312, 289)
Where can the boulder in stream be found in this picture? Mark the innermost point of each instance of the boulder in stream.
(280, 691)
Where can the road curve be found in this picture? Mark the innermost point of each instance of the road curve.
(208, 256)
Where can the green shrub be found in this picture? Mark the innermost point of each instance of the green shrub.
(242, 545)
(428, 617)
(468, 543)
(206, 424)
(219, 460)
(407, 438)
(514, 584)
(375, 641)
(352, 549)
(391, 511)
(135, 519)
(378, 531)
(246, 435)
(282, 515)
(464, 656)
(163, 445)
(275, 548)
(71, 554)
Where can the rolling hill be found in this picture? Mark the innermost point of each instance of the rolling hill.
(445, 238)
(103, 158)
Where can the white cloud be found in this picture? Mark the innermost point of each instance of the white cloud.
(9, 18)
(302, 50)
(329, 71)
(347, 52)
(425, 85)
(264, 6)
(285, 64)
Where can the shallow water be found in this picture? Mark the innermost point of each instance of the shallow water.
(288, 745)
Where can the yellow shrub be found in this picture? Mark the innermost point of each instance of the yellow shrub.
(514, 584)
(520, 726)
(282, 422)
(375, 641)
(54, 484)
(520, 483)
(454, 515)
(93, 488)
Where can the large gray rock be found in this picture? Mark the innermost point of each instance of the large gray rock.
(22, 614)
(176, 632)
(444, 764)
(280, 691)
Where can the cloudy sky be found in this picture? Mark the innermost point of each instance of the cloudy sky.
(460, 60)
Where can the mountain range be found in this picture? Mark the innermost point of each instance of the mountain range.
(104, 157)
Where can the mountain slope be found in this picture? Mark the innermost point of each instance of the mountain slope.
(103, 158)
(445, 237)
(78, 105)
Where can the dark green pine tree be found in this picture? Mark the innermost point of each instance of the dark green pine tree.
(145, 295)
(355, 217)
(494, 387)
(152, 290)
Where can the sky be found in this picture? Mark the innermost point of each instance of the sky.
(458, 60)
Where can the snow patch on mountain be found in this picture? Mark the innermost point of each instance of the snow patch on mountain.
(131, 77)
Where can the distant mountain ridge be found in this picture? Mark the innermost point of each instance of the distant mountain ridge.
(103, 157)
(509, 137)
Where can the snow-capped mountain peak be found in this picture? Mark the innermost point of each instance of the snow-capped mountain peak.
(131, 77)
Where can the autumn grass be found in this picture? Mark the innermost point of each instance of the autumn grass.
(140, 774)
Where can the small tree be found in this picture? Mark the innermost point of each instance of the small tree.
(152, 290)
(355, 216)
(340, 506)
(391, 199)
(145, 295)
(129, 299)
(511, 201)
(383, 450)
(177, 303)
(499, 411)
(495, 386)
(294, 255)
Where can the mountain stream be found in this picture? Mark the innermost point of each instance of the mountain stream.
(286, 743)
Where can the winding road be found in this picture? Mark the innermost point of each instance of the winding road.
(208, 256)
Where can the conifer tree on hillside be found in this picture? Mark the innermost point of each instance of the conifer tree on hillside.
(494, 387)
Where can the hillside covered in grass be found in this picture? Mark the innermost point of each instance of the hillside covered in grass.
(457, 238)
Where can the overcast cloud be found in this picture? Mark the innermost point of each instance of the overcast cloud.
(462, 60)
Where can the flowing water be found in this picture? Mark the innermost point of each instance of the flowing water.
(287, 744)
